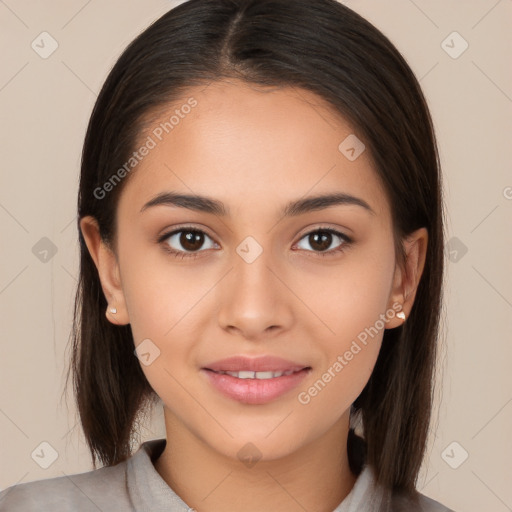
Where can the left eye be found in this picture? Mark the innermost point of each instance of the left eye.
(321, 240)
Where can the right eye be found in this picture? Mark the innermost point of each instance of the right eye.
(185, 242)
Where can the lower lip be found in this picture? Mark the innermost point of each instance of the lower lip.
(254, 391)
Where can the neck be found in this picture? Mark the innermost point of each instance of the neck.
(315, 477)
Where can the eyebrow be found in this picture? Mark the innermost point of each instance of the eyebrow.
(292, 209)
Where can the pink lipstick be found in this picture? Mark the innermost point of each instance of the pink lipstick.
(255, 380)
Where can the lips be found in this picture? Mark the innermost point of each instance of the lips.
(255, 364)
(256, 380)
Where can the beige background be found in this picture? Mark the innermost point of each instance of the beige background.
(45, 105)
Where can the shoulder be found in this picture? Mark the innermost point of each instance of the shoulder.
(419, 503)
(429, 505)
(99, 489)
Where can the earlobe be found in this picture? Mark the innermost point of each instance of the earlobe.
(407, 277)
(108, 270)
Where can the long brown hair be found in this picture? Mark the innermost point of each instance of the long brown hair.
(326, 48)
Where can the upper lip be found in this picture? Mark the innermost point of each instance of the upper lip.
(255, 364)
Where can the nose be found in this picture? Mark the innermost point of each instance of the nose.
(254, 299)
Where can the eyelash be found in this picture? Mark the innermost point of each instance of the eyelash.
(183, 254)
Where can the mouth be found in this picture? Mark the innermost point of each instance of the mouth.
(257, 380)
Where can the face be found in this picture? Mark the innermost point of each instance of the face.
(310, 285)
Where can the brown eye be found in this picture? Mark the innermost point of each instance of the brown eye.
(185, 240)
(191, 240)
(321, 241)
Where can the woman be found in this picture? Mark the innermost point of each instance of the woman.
(261, 230)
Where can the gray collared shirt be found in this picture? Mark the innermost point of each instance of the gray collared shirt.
(135, 485)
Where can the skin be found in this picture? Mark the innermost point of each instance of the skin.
(255, 150)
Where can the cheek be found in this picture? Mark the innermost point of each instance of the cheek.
(160, 295)
(165, 304)
(349, 297)
(335, 387)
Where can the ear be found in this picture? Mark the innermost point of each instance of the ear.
(407, 277)
(108, 270)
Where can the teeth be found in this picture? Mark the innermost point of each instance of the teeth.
(257, 375)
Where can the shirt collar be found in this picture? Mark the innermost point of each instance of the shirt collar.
(147, 489)
(150, 492)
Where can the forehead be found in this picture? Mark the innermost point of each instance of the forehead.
(245, 144)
